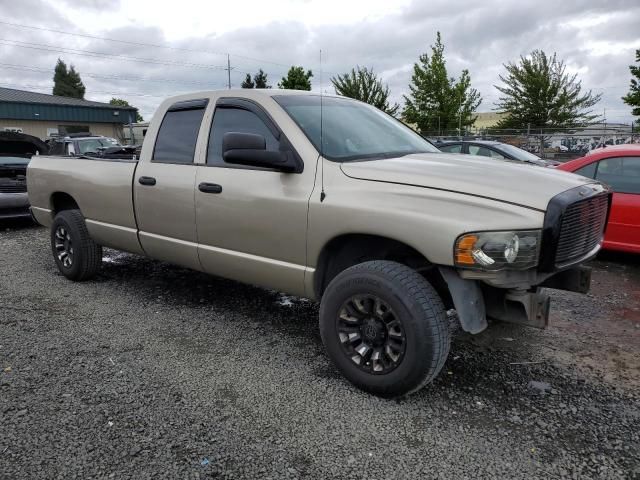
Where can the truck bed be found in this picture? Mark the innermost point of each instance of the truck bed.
(102, 188)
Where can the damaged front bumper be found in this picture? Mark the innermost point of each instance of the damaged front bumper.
(513, 297)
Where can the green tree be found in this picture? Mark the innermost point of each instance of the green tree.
(438, 102)
(67, 82)
(260, 79)
(538, 93)
(296, 79)
(364, 85)
(247, 82)
(633, 97)
(123, 103)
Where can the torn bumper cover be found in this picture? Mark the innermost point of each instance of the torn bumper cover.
(476, 301)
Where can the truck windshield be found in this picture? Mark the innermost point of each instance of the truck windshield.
(519, 154)
(352, 130)
(94, 145)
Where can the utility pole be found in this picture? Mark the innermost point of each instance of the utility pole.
(604, 118)
(228, 69)
(460, 120)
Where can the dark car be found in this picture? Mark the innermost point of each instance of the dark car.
(81, 144)
(498, 150)
(16, 150)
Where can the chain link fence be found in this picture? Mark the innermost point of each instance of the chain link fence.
(559, 144)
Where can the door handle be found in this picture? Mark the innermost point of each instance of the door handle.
(147, 181)
(210, 187)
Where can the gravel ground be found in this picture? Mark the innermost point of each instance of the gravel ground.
(153, 371)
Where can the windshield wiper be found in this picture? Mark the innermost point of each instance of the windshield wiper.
(382, 155)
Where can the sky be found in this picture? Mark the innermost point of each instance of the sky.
(158, 49)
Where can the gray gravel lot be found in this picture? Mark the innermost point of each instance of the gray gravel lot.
(154, 371)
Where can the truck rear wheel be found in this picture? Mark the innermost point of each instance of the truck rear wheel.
(384, 327)
(78, 257)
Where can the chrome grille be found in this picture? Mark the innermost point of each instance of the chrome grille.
(17, 187)
(582, 228)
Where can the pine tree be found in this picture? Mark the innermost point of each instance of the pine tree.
(538, 93)
(260, 79)
(364, 85)
(633, 97)
(296, 79)
(247, 82)
(67, 83)
(437, 102)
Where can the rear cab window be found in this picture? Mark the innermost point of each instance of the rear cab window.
(178, 134)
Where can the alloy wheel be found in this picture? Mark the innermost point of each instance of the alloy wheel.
(371, 334)
(64, 246)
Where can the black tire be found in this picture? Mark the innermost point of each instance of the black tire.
(69, 235)
(411, 300)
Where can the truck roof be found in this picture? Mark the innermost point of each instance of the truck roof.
(270, 92)
(244, 92)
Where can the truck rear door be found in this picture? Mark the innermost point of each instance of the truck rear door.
(164, 187)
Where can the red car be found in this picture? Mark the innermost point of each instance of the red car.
(619, 167)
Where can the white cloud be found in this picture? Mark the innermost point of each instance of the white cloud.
(597, 40)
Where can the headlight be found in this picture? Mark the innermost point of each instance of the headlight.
(517, 250)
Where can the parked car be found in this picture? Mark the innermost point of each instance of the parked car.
(81, 144)
(359, 212)
(619, 167)
(16, 150)
(488, 148)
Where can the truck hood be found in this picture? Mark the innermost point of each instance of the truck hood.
(501, 180)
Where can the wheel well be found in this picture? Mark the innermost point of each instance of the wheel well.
(62, 201)
(347, 250)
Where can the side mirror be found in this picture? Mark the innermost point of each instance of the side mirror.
(250, 149)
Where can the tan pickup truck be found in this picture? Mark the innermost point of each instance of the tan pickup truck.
(331, 199)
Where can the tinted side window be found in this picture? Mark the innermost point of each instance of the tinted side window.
(235, 120)
(451, 148)
(588, 171)
(483, 151)
(495, 154)
(621, 174)
(176, 142)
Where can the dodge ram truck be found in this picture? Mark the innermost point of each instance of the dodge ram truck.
(328, 198)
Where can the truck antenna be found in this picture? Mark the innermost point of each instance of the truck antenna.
(322, 194)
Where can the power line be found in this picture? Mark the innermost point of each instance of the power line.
(140, 44)
(90, 53)
(115, 94)
(96, 37)
(109, 77)
(107, 56)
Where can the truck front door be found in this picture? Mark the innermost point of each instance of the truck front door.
(252, 222)
(164, 188)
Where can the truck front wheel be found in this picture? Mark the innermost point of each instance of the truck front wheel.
(384, 327)
(78, 257)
